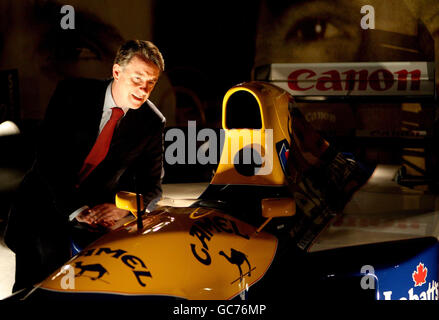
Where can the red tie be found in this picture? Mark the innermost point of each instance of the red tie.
(101, 146)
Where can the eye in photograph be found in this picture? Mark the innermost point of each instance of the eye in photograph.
(312, 29)
(84, 53)
(308, 31)
(68, 48)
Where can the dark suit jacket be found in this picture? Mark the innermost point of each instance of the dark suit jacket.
(47, 195)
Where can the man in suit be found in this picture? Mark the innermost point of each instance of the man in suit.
(72, 177)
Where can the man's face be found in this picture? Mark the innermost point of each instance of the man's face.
(133, 83)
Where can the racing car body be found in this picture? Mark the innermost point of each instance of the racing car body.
(202, 251)
(231, 243)
(203, 254)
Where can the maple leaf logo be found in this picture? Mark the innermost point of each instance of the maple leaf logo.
(419, 275)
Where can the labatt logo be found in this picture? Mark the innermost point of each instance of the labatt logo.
(419, 277)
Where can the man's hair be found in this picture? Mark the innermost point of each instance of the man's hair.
(144, 49)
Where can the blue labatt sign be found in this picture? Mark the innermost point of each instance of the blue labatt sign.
(415, 279)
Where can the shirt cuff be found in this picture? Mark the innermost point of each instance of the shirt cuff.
(76, 212)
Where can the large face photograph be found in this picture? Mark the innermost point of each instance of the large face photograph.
(229, 150)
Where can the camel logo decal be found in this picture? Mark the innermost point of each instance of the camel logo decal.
(238, 258)
(91, 268)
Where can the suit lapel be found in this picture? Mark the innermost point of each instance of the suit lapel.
(88, 128)
(128, 134)
(127, 137)
(98, 106)
(130, 125)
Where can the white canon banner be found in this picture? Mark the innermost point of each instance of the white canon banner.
(355, 78)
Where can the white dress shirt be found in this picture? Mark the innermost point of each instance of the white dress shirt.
(108, 104)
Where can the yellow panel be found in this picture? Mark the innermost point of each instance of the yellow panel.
(273, 103)
(193, 253)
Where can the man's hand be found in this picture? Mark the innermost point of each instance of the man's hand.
(105, 214)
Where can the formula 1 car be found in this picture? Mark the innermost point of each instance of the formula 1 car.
(233, 241)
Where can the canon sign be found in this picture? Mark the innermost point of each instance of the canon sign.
(384, 78)
(378, 80)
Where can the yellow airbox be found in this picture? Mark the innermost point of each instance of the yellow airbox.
(255, 121)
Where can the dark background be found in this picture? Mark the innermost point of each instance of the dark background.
(209, 46)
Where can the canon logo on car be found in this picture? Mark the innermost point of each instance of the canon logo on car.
(355, 78)
(378, 80)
